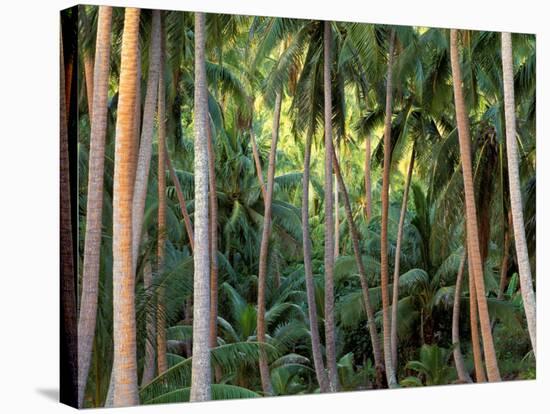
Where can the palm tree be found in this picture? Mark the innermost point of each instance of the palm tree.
(395, 296)
(264, 246)
(377, 352)
(526, 282)
(481, 376)
(145, 143)
(471, 215)
(390, 374)
(308, 270)
(329, 218)
(457, 353)
(200, 380)
(124, 323)
(92, 243)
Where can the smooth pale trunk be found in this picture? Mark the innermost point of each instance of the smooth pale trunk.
(395, 296)
(474, 329)
(368, 191)
(308, 270)
(264, 247)
(125, 390)
(330, 334)
(474, 253)
(390, 373)
(200, 367)
(145, 145)
(516, 204)
(257, 162)
(94, 207)
(463, 375)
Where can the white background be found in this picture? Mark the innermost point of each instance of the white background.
(29, 205)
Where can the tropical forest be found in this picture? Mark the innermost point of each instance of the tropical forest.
(275, 206)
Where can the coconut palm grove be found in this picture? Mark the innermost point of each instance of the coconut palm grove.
(275, 206)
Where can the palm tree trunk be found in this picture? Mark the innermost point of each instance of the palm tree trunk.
(182, 202)
(124, 323)
(474, 329)
(264, 247)
(505, 259)
(150, 328)
(94, 209)
(395, 297)
(336, 211)
(390, 374)
(463, 375)
(525, 278)
(200, 369)
(68, 308)
(162, 363)
(368, 190)
(145, 145)
(471, 214)
(213, 244)
(257, 162)
(89, 80)
(376, 350)
(330, 334)
(308, 270)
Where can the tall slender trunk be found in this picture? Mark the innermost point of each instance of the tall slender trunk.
(89, 81)
(308, 270)
(182, 202)
(145, 145)
(330, 334)
(463, 375)
(150, 329)
(162, 363)
(390, 373)
(505, 259)
(264, 247)
(336, 210)
(368, 190)
(200, 368)
(94, 210)
(257, 162)
(68, 308)
(471, 214)
(124, 322)
(395, 296)
(474, 328)
(213, 243)
(525, 278)
(375, 341)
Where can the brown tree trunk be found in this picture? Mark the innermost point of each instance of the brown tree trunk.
(308, 270)
(124, 322)
(330, 334)
(89, 81)
(474, 329)
(463, 375)
(505, 258)
(94, 207)
(471, 214)
(150, 329)
(368, 190)
(390, 374)
(162, 363)
(264, 247)
(376, 350)
(182, 202)
(395, 296)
